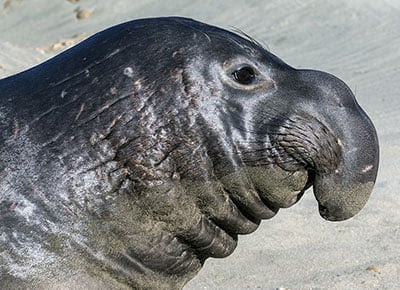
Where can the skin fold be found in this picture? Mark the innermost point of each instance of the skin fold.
(129, 159)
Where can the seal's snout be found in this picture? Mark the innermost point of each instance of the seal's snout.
(343, 190)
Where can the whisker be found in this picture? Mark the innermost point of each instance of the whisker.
(248, 37)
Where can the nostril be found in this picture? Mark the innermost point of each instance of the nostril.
(333, 213)
(324, 212)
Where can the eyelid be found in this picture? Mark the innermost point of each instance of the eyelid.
(261, 80)
(242, 66)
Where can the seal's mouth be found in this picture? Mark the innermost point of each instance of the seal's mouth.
(213, 237)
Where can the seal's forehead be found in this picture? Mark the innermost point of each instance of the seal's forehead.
(235, 39)
(242, 42)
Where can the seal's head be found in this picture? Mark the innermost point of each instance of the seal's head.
(279, 130)
(226, 134)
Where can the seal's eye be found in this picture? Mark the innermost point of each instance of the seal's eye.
(244, 75)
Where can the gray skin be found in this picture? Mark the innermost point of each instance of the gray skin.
(129, 159)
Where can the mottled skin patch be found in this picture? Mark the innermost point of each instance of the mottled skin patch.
(128, 160)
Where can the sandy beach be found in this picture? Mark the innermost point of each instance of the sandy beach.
(358, 41)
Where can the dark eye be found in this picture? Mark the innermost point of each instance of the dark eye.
(244, 75)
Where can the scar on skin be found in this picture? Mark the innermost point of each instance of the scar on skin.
(177, 75)
(114, 52)
(138, 84)
(16, 129)
(63, 94)
(113, 91)
(80, 112)
(367, 168)
(179, 51)
(114, 121)
(128, 71)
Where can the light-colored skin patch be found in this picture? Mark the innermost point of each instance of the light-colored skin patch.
(80, 111)
(113, 91)
(113, 123)
(128, 71)
(114, 53)
(63, 94)
(25, 209)
(16, 129)
(178, 52)
(33, 257)
(138, 84)
(367, 168)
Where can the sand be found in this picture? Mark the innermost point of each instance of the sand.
(358, 41)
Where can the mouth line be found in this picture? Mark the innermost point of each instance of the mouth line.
(256, 210)
(215, 239)
(311, 178)
(206, 250)
(245, 212)
(310, 182)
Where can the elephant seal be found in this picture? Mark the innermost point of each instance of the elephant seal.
(129, 159)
